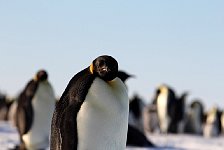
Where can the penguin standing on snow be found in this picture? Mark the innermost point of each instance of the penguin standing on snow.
(194, 118)
(34, 112)
(166, 103)
(222, 122)
(3, 107)
(92, 113)
(212, 127)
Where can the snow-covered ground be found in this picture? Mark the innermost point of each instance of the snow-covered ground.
(9, 138)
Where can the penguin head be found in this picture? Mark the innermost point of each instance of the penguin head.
(163, 89)
(41, 75)
(105, 67)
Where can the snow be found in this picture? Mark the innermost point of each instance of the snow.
(9, 138)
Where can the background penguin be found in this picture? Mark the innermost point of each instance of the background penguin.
(34, 112)
(194, 118)
(180, 112)
(3, 107)
(136, 107)
(212, 127)
(222, 121)
(92, 113)
(135, 137)
(165, 100)
(150, 119)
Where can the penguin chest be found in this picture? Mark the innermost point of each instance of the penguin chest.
(103, 117)
(164, 120)
(43, 106)
(222, 122)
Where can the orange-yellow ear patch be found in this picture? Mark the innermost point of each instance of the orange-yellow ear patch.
(91, 68)
(35, 78)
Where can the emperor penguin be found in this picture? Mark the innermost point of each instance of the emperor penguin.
(136, 107)
(92, 113)
(194, 118)
(212, 127)
(35, 107)
(166, 102)
(3, 107)
(222, 121)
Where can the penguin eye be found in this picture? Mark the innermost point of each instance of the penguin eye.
(101, 63)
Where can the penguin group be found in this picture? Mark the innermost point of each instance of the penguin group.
(169, 113)
(95, 112)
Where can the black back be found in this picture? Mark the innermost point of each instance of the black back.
(135, 106)
(180, 107)
(64, 124)
(24, 113)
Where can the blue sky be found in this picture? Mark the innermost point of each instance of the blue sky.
(175, 42)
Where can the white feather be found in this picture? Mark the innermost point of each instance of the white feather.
(43, 105)
(102, 121)
(163, 112)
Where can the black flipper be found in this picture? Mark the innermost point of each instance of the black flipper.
(64, 124)
(24, 114)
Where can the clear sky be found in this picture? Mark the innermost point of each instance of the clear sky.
(180, 43)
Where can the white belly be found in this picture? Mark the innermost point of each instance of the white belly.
(222, 122)
(102, 121)
(210, 128)
(43, 106)
(162, 112)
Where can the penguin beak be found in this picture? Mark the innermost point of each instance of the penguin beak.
(106, 69)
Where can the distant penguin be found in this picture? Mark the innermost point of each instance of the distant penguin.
(166, 109)
(194, 118)
(34, 112)
(212, 127)
(180, 111)
(136, 107)
(92, 113)
(150, 119)
(222, 121)
(3, 107)
(135, 137)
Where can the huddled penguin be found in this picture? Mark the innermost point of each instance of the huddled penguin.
(180, 111)
(92, 113)
(35, 108)
(136, 107)
(194, 118)
(212, 127)
(3, 107)
(165, 100)
(222, 121)
(150, 119)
